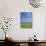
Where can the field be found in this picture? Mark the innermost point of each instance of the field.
(26, 25)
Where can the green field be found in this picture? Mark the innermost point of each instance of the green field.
(26, 25)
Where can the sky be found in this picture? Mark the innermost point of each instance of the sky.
(26, 16)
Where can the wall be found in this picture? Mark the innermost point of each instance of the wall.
(12, 8)
(45, 28)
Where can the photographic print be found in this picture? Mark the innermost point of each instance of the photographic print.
(25, 19)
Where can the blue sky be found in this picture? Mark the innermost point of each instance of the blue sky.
(26, 16)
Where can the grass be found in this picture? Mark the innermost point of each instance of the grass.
(26, 25)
